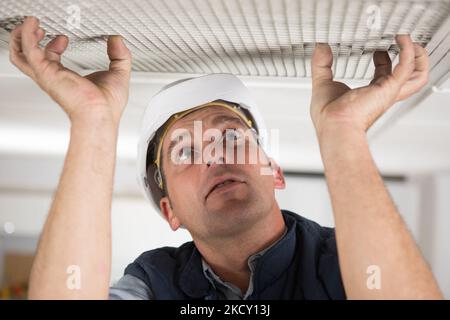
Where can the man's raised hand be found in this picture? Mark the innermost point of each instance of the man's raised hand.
(100, 94)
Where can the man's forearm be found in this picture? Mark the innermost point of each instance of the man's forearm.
(78, 228)
(369, 230)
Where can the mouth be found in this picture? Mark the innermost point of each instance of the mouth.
(223, 185)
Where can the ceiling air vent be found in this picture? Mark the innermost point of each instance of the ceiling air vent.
(245, 37)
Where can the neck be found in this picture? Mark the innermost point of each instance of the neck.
(229, 256)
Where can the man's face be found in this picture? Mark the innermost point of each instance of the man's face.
(216, 187)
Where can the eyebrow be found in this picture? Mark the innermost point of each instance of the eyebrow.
(225, 118)
(215, 121)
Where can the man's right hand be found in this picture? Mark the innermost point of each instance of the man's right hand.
(99, 94)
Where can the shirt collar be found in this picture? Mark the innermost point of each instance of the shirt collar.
(252, 261)
(266, 265)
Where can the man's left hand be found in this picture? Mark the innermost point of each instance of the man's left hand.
(334, 103)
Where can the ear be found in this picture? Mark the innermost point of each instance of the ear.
(166, 209)
(278, 176)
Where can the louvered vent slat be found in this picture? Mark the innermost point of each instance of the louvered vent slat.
(244, 37)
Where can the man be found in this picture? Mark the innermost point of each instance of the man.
(244, 245)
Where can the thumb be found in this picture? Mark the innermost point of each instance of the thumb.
(321, 63)
(119, 55)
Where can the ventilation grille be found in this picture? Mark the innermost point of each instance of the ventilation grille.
(243, 37)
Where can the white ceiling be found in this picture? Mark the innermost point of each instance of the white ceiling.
(243, 37)
(419, 141)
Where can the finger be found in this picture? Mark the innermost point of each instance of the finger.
(421, 58)
(419, 77)
(55, 48)
(40, 34)
(321, 63)
(16, 55)
(383, 65)
(119, 55)
(15, 45)
(31, 35)
(405, 67)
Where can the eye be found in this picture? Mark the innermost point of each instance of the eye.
(186, 155)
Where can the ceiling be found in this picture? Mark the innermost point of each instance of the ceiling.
(243, 37)
(413, 138)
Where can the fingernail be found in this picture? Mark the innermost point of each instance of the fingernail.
(32, 18)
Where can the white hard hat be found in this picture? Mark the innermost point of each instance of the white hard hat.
(183, 95)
